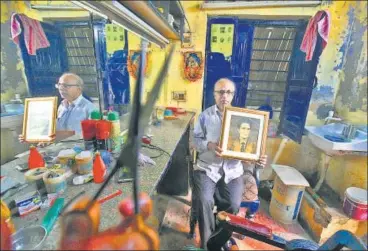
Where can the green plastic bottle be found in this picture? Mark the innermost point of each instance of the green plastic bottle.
(95, 115)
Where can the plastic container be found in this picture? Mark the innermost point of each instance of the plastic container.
(160, 113)
(355, 203)
(29, 238)
(106, 157)
(36, 175)
(287, 194)
(103, 128)
(168, 113)
(67, 159)
(55, 184)
(35, 159)
(89, 134)
(115, 139)
(84, 162)
(99, 169)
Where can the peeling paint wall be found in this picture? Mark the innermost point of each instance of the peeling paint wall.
(351, 99)
(13, 79)
(346, 49)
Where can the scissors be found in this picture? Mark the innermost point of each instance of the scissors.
(80, 219)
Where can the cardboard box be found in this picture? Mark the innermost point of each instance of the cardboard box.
(28, 203)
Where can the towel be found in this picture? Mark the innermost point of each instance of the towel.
(319, 24)
(34, 36)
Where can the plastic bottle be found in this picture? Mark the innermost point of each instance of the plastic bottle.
(89, 134)
(103, 128)
(99, 169)
(95, 115)
(35, 159)
(115, 138)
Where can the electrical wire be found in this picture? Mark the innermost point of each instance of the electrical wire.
(185, 17)
(153, 147)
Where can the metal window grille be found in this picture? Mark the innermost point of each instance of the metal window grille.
(81, 59)
(271, 55)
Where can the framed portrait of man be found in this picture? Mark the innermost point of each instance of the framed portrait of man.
(244, 133)
(39, 121)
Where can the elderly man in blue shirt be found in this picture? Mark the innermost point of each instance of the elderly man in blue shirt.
(74, 107)
(213, 172)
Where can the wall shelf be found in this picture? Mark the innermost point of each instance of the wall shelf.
(148, 12)
(216, 5)
(119, 14)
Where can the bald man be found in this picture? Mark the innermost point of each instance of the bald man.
(211, 172)
(73, 108)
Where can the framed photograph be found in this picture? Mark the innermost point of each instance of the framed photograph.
(39, 121)
(244, 133)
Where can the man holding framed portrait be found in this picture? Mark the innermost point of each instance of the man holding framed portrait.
(73, 109)
(216, 171)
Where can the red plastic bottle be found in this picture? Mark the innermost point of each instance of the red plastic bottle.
(99, 169)
(35, 159)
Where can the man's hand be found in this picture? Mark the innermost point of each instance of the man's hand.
(21, 138)
(262, 162)
(213, 147)
(44, 144)
(41, 144)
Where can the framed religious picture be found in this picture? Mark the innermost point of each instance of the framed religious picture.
(39, 120)
(134, 59)
(193, 65)
(244, 133)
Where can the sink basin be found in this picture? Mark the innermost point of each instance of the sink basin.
(317, 135)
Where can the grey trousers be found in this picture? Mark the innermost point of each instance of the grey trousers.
(206, 193)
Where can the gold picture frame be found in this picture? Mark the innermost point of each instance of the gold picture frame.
(39, 120)
(244, 133)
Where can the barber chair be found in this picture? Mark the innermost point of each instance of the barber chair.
(252, 206)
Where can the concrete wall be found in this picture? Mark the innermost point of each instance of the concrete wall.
(341, 73)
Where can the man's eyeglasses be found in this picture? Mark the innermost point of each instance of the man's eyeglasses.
(222, 92)
(64, 86)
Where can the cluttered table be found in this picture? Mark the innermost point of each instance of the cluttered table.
(166, 136)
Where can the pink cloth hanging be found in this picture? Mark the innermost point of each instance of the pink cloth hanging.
(34, 36)
(316, 24)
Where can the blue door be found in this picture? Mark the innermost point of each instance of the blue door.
(266, 64)
(44, 69)
(234, 68)
(115, 75)
(301, 82)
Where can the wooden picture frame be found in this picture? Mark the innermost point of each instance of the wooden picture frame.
(244, 133)
(39, 120)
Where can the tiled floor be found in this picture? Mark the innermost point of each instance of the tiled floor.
(175, 228)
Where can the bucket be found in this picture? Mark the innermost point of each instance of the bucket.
(355, 203)
(287, 194)
(36, 175)
(55, 184)
(67, 159)
(84, 162)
